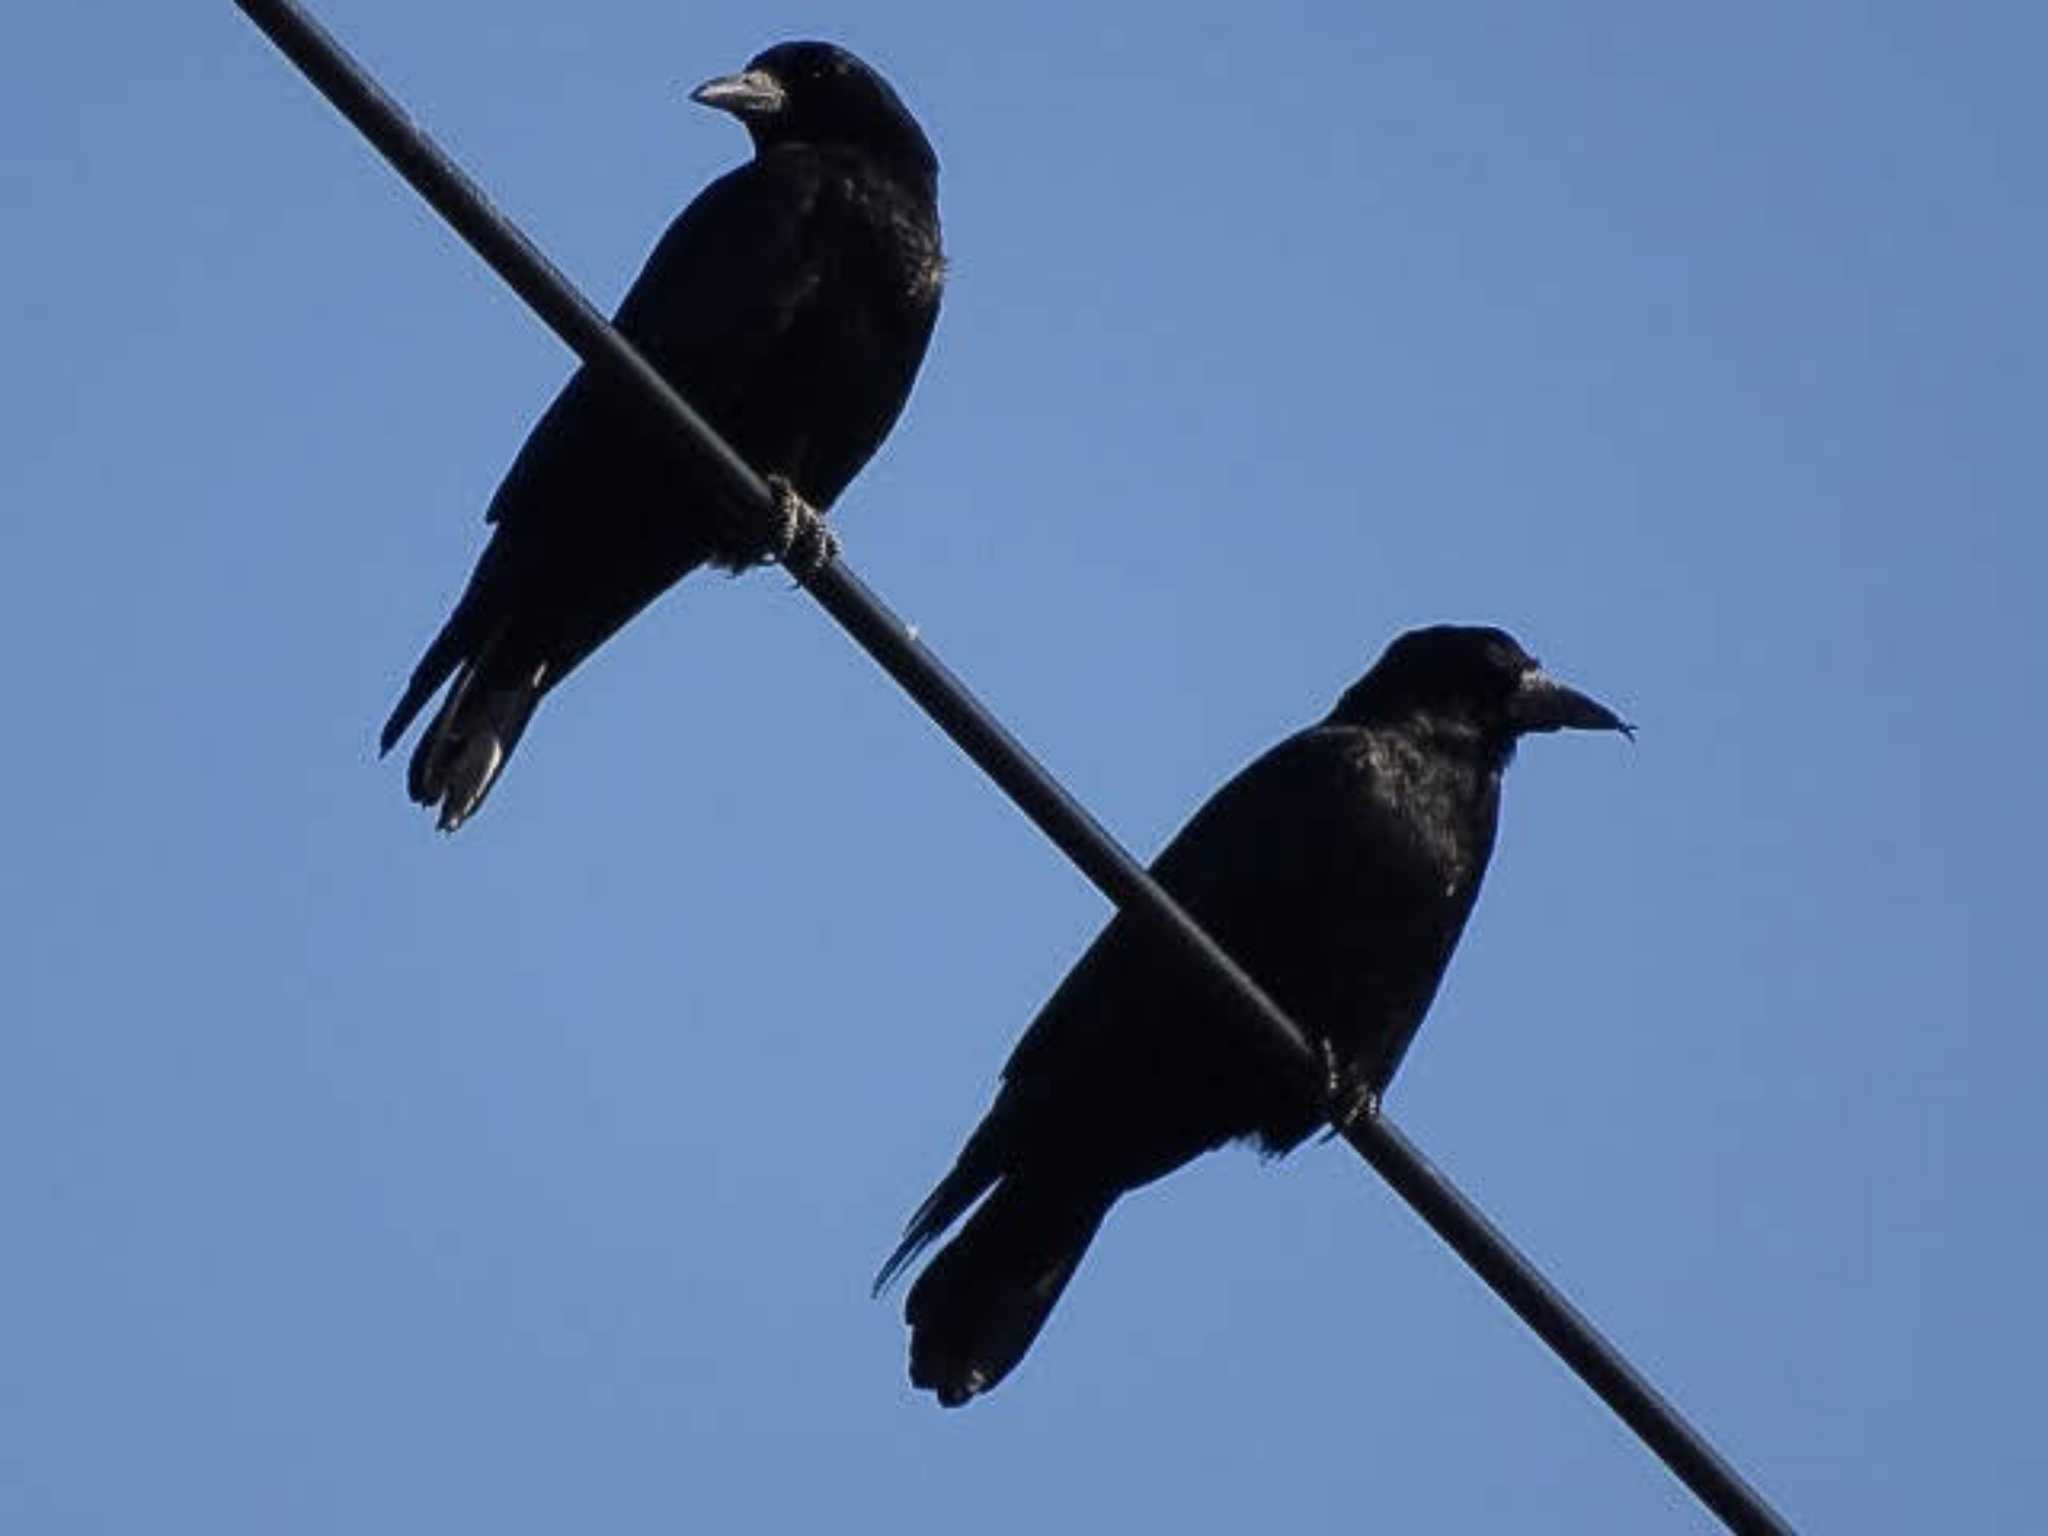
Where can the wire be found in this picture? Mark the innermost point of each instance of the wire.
(886, 638)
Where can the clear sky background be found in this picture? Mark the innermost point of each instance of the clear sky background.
(355, 1179)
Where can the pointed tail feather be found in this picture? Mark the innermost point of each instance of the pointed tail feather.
(974, 1171)
(441, 659)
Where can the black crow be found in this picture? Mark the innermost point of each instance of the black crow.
(1338, 870)
(790, 304)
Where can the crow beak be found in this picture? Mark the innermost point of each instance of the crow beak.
(1541, 703)
(751, 93)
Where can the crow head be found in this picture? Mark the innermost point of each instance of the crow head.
(1468, 682)
(818, 93)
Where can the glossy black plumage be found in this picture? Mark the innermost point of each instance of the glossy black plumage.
(1339, 870)
(791, 304)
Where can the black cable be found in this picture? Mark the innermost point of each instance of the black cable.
(982, 737)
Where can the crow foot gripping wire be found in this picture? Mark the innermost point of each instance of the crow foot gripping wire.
(799, 542)
(1349, 1101)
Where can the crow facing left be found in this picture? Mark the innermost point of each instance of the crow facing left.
(1339, 870)
(791, 304)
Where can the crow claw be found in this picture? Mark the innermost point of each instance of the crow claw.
(1349, 1102)
(800, 542)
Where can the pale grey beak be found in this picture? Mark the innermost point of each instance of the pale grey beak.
(1542, 703)
(749, 94)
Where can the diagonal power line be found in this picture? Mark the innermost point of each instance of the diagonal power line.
(983, 738)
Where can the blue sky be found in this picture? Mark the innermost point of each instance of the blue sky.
(358, 1179)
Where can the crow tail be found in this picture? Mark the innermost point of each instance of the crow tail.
(466, 747)
(977, 1307)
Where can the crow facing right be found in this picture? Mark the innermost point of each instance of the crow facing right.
(791, 304)
(1339, 870)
